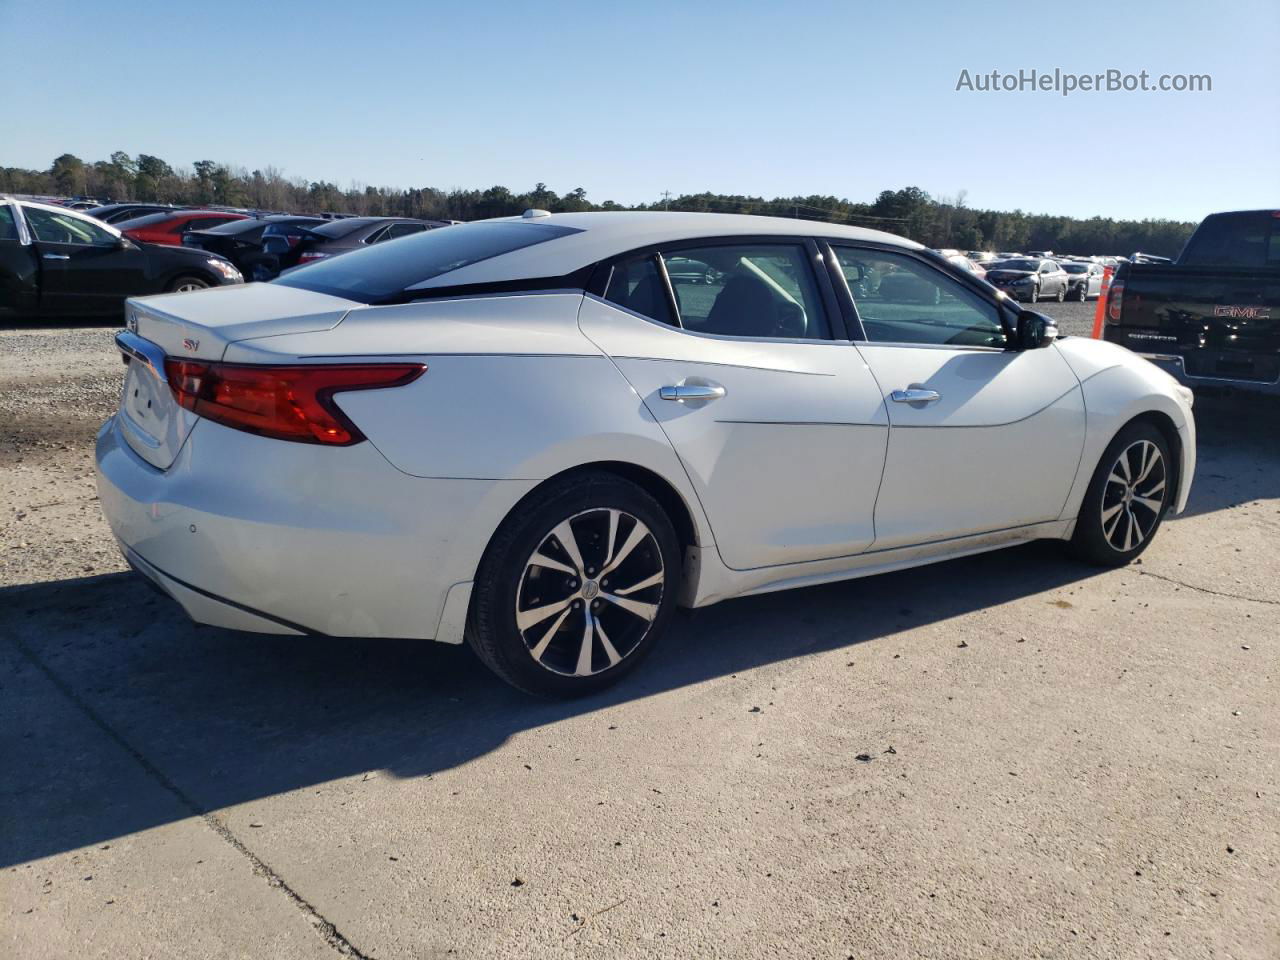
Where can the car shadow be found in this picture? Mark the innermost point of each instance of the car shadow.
(1238, 451)
(233, 717)
(102, 667)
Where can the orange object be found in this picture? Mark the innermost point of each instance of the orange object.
(1102, 302)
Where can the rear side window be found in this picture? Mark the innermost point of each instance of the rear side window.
(637, 285)
(405, 229)
(385, 272)
(1235, 240)
(747, 290)
(8, 229)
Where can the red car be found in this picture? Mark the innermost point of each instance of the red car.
(169, 227)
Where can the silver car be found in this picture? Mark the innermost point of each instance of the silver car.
(1030, 279)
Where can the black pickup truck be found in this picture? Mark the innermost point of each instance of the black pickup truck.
(1212, 317)
(56, 262)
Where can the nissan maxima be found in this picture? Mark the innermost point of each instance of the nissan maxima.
(535, 436)
(1029, 279)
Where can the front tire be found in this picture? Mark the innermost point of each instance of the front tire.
(187, 284)
(1035, 294)
(1084, 292)
(576, 586)
(1127, 498)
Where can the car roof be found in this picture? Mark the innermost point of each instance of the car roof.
(599, 236)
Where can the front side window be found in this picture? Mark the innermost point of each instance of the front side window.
(902, 300)
(50, 227)
(8, 229)
(747, 290)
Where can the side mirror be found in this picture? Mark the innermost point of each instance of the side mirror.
(275, 244)
(1034, 331)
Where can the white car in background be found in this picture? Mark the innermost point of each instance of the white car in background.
(533, 435)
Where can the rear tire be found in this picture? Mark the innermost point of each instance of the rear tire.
(543, 598)
(1062, 293)
(1127, 499)
(187, 284)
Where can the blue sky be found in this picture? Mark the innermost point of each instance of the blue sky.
(630, 99)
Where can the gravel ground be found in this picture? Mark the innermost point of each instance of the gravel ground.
(1007, 755)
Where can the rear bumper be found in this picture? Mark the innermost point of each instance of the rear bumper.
(273, 537)
(1175, 366)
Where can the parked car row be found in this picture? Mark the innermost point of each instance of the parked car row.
(59, 262)
(1035, 276)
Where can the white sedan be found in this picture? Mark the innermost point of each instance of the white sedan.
(532, 435)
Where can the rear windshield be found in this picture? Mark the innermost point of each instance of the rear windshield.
(145, 220)
(233, 227)
(383, 272)
(334, 229)
(1235, 240)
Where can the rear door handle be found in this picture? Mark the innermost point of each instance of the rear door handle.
(692, 391)
(915, 395)
(56, 256)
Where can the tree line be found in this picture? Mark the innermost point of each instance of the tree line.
(910, 212)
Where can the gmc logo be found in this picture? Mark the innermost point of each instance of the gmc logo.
(1243, 312)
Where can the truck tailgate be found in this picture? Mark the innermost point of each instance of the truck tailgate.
(1224, 322)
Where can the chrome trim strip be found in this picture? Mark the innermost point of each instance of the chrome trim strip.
(145, 352)
(1180, 363)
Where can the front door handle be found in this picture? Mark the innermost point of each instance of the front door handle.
(692, 391)
(57, 256)
(915, 395)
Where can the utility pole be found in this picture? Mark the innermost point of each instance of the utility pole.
(666, 199)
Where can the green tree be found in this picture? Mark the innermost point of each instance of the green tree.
(68, 175)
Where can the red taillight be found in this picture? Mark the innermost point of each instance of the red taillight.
(285, 402)
(1114, 297)
(311, 256)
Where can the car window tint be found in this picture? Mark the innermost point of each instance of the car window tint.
(748, 290)
(383, 273)
(638, 286)
(404, 229)
(901, 300)
(8, 229)
(377, 236)
(52, 227)
(1234, 239)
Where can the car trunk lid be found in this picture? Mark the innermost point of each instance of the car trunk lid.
(200, 326)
